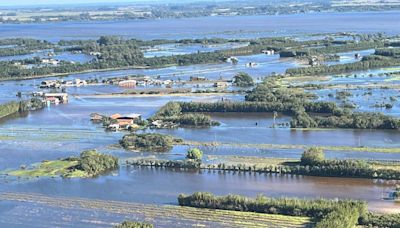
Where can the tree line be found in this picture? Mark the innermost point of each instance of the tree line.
(329, 213)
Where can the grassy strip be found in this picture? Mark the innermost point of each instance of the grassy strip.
(50, 169)
(291, 146)
(312, 163)
(9, 108)
(88, 164)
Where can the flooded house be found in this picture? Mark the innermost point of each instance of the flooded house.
(197, 78)
(55, 98)
(221, 84)
(50, 61)
(127, 83)
(268, 52)
(50, 84)
(251, 64)
(128, 119)
(96, 117)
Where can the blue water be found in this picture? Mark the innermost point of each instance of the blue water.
(228, 27)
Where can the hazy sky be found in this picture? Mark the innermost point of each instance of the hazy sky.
(53, 2)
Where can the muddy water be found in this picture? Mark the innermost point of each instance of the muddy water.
(161, 186)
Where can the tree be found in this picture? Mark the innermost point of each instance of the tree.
(243, 80)
(195, 154)
(312, 156)
(130, 224)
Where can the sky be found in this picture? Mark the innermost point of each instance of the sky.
(63, 2)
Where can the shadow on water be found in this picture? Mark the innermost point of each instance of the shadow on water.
(13, 116)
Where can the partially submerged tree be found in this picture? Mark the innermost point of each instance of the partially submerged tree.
(312, 156)
(243, 80)
(195, 154)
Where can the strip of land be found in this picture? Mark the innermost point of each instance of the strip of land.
(170, 214)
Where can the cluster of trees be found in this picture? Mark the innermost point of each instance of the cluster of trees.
(195, 154)
(193, 160)
(110, 52)
(172, 112)
(90, 163)
(313, 162)
(174, 164)
(369, 62)
(329, 213)
(332, 48)
(148, 142)
(130, 224)
(243, 79)
(20, 106)
(22, 46)
(392, 52)
(377, 220)
(94, 163)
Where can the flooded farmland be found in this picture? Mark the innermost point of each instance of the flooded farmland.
(63, 131)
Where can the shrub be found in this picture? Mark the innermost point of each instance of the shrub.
(317, 208)
(312, 156)
(386, 220)
(243, 80)
(149, 141)
(94, 163)
(130, 224)
(195, 154)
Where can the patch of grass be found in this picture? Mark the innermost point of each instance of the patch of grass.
(252, 160)
(46, 169)
(6, 137)
(297, 146)
(88, 164)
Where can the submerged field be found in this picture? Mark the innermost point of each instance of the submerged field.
(34, 146)
(161, 216)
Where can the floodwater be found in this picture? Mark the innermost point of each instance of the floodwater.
(65, 130)
(266, 64)
(142, 185)
(226, 27)
(62, 56)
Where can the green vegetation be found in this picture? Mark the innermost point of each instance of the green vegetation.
(94, 163)
(9, 108)
(88, 164)
(311, 164)
(195, 154)
(172, 114)
(312, 156)
(396, 193)
(269, 96)
(111, 52)
(329, 213)
(243, 80)
(20, 107)
(369, 62)
(174, 164)
(333, 48)
(130, 224)
(386, 220)
(22, 46)
(148, 142)
(171, 215)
